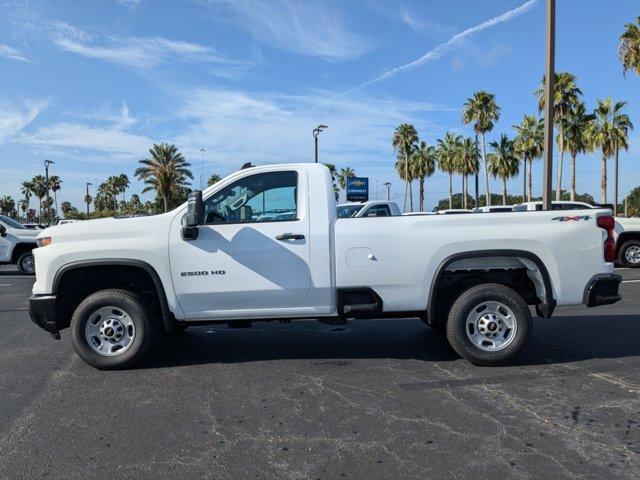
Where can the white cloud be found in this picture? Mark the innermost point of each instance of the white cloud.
(137, 52)
(314, 29)
(128, 3)
(12, 53)
(419, 24)
(13, 119)
(445, 47)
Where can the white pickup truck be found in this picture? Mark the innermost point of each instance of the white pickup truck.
(16, 244)
(117, 283)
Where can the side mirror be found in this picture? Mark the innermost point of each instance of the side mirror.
(3, 231)
(194, 217)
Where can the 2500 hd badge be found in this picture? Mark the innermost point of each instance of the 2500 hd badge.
(202, 273)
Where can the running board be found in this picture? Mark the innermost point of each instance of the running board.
(358, 301)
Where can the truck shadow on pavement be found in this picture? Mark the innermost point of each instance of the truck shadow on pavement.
(563, 340)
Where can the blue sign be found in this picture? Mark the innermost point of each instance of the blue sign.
(357, 189)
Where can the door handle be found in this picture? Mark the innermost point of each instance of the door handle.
(290, 236)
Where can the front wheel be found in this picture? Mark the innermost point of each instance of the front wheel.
(26, 263)
(630, 254)
(112, 329)
(488, 324)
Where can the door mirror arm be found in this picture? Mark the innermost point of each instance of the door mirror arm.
(194, 217)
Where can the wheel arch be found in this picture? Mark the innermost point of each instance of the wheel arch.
(20, 248)
(168, 319)
(536, 270)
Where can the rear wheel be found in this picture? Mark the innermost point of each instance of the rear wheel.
(26, 263)
(112, 329)
(488, 324)
(629, 255)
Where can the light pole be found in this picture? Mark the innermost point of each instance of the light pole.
(388, 185)
(46, 181)
(316, 132)
(477, 172)
(87, 198)
(202, 150)
(548, 104)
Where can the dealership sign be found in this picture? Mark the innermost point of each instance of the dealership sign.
(357, 189)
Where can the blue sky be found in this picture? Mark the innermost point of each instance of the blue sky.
(91, 85)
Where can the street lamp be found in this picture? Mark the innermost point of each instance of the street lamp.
(87, 198)
(388, 185)
(316, 132)
(202, 150)
(46, 180)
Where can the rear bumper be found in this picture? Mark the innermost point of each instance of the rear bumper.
(42, 310)
(602, 290)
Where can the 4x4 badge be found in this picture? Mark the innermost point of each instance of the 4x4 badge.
(577, 218)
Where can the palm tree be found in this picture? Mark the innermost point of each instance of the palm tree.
(565, 95)
(576, 126)
(213, 179)
(423, 165)
(111, 189)
(529, 144)
(123, 184)
(448, 153)
(468, 164)
(343, 174)
(55, 185)
(166, 171)
(503, 162)
(39, 184)
(26, 189)
(630, 47)
(7, 205)
(609, 132)
(405, 139)
(482, 110)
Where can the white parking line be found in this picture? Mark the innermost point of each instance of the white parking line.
(630, 281)
(5, 284)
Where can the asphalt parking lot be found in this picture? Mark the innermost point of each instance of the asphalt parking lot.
(372, 399)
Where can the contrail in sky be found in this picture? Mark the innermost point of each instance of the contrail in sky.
(445, 47)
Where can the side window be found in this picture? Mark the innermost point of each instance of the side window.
(263, 197)
(573, 206)
(378, 211)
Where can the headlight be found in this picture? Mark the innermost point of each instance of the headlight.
(44, 241)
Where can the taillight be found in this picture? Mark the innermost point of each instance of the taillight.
(608, 223)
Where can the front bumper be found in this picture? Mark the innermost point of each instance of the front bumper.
(602, 290)
(42, 310)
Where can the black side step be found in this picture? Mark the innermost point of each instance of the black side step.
(358, 301)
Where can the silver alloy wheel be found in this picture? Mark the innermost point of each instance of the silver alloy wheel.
(110, 331)
(28, 264)
(632, 254)
(491, 326)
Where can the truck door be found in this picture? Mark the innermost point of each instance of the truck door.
(252, 255)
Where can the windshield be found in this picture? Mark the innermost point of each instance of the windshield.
(347, 211)
(10, 222)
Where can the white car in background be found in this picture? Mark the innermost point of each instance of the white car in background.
(494, 209)
(16, 244)
(374, 208)
(454, 211)
(626, 230)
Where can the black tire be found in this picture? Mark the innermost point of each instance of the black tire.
(622, 254)
(462, 307)
(146, 330)
(26, 264)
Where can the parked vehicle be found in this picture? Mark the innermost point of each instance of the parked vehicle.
(374, 208)
(453, 211)
(34, 226)
(118, 283)
(16, 245)
(65, 221)
(626, 231)
(493, 209)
